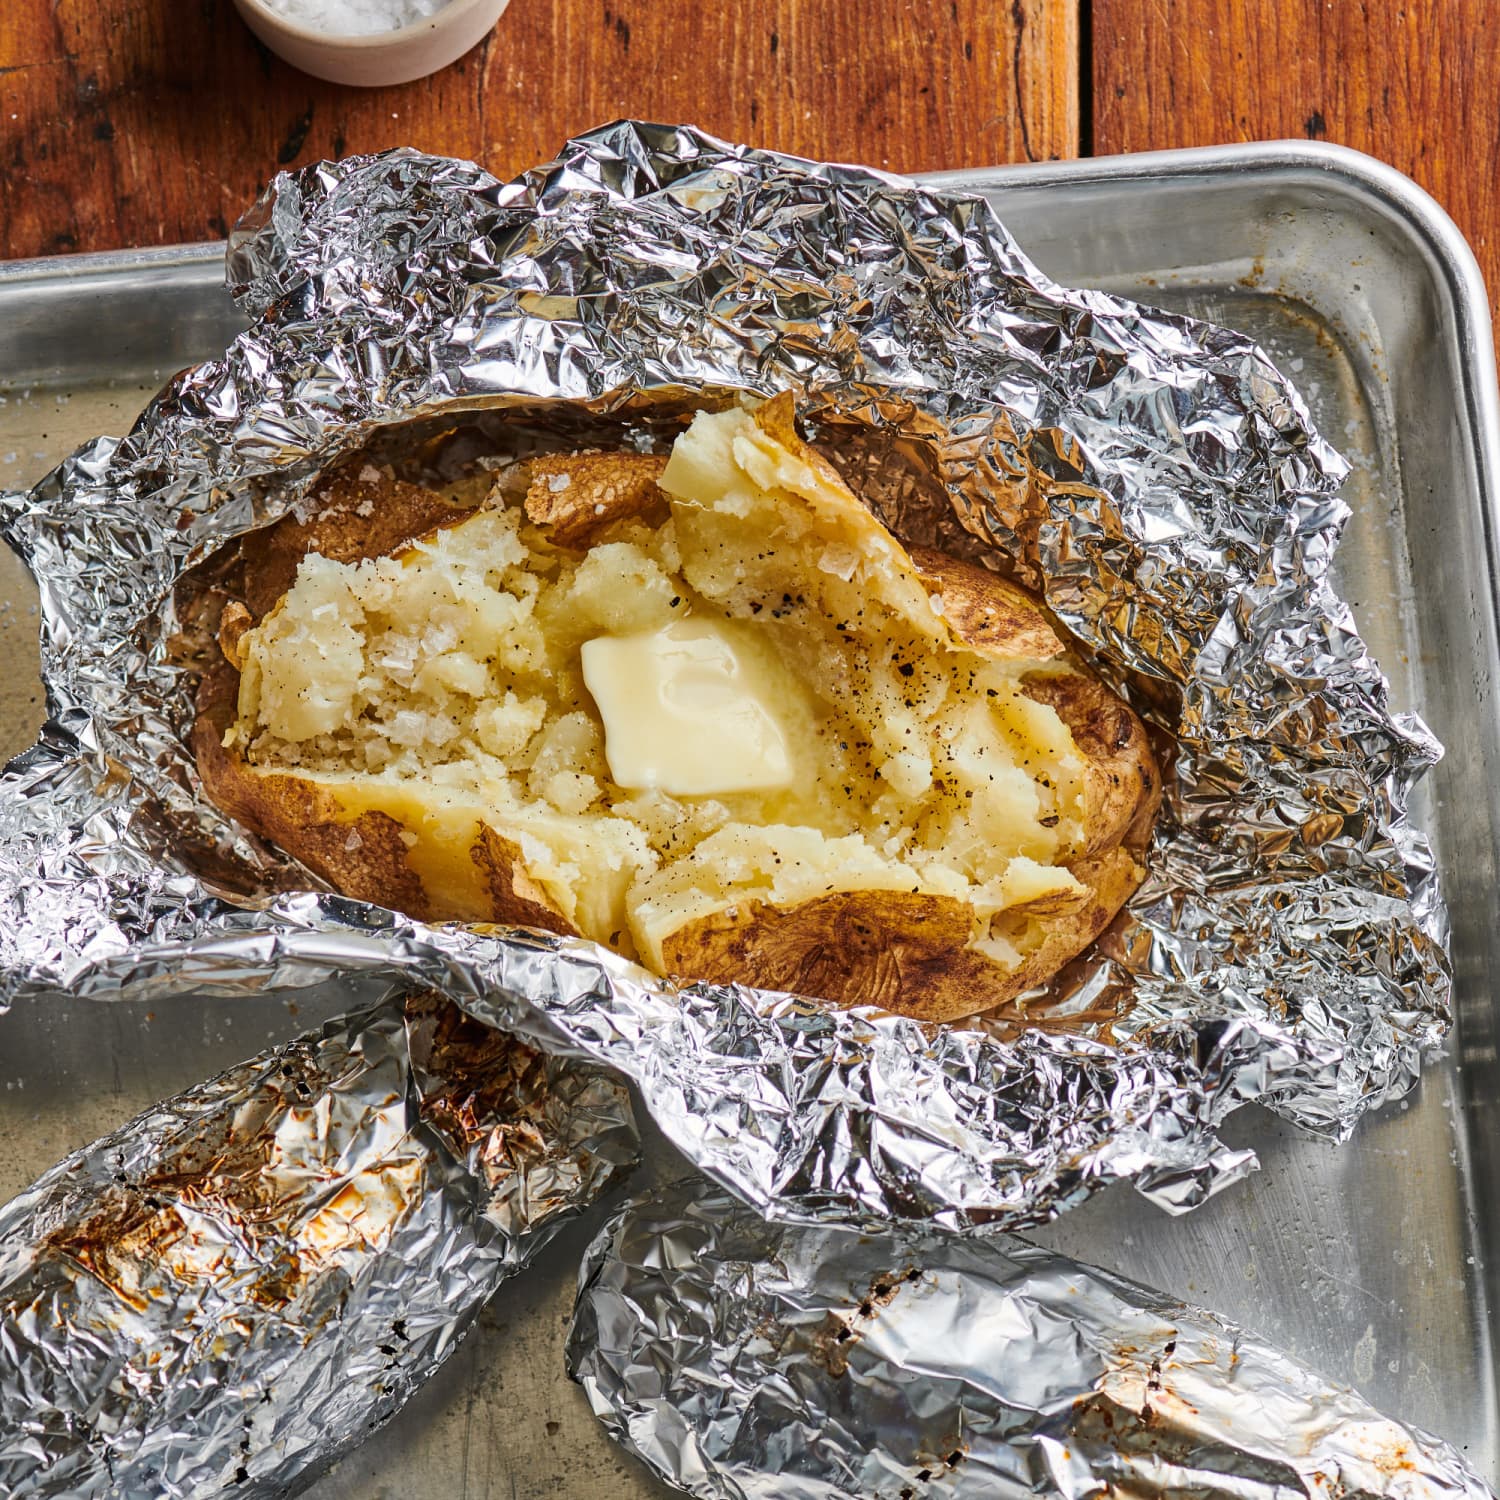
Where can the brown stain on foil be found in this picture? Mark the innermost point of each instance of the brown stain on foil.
(490, 1096)
(135, 1246)
(840, 1331)
(947, 1456)
(139, 1237)
(115, 1242)
(1137, 1410)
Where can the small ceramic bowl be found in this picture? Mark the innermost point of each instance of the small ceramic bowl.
(382, 57)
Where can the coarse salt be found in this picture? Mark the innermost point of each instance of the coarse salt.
(355, 17)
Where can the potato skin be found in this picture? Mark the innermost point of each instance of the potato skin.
(361, 856)
(896, 951)
(890, 949)
(352, 518)
(986, 612)
(574, 496)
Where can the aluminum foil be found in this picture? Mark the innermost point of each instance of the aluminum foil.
(740, 1359)
(1155, 477)
(230, 1291)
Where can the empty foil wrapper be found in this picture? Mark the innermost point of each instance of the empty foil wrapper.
(230, 1291)
(741, 1359)
(1154, 477)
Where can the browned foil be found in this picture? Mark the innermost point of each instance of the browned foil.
(238, 1285)
(796, 1361)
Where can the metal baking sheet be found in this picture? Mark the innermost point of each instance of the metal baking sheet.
(1373, 1262)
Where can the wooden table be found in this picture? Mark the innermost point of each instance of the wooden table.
(143, 122)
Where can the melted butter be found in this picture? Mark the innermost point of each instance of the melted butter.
(687, 711)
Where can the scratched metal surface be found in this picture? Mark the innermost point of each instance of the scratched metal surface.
(1367, 1261)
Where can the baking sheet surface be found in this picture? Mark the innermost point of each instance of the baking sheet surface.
(1366, 1261)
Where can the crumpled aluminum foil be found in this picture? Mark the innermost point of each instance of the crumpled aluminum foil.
(741, 1359)
(231, 1290)
(1154, 476)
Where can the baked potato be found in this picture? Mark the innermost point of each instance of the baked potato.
(703, 708)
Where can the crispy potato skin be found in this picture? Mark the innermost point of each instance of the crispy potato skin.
(881, 948)
(900, 952)
(515, 899)
(574, 496)
(351, 519)
(988, 612)
(363, 857)
(1125, 791)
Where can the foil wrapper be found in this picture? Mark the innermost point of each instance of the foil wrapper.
(741, 1359)
(230, 1291)
(1154, 477)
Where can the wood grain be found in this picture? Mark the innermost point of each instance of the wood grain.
(1413, 83)
(134, 122)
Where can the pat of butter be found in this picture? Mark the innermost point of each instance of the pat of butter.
(685, 712)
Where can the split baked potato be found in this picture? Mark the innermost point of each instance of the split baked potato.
(702, 708)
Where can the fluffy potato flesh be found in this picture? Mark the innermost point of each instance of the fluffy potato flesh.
(863, 782)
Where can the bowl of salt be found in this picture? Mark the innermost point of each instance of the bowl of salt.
(370, 43)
